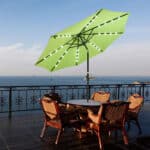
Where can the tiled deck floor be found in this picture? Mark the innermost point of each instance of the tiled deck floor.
(23, 130)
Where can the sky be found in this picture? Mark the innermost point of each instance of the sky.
(26, 26)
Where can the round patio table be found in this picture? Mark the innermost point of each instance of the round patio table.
(84, 102)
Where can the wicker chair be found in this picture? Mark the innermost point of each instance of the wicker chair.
(55, 118)
(101, 96)
(136, 102)
(111, 116)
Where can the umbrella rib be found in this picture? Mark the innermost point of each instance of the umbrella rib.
(90, 35)
(109, 21)
(108, 33)
(91, 21)
(50, 54)
(60, 59)
(53, 52)
(103, 33)
(95, 46)
(104, 23)
(63, 55)
(62, 36)
(77, 54)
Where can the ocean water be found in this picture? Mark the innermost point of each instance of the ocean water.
(68, 80)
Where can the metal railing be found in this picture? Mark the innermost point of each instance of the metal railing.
(26, 98)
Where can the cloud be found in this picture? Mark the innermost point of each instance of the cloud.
(16, 59)
(124, 59)
(119, 59)
(11, 47)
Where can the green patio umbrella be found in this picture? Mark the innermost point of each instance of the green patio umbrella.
(79, 42)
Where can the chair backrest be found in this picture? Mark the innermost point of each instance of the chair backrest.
(101, 96)
(49, 107)
(115, 111)
(135, 100)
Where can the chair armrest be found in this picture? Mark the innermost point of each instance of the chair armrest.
(136, 109)
(93, 117)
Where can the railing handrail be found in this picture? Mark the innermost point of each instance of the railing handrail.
(120, 84)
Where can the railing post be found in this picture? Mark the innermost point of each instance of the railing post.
(118, 91)
(89, 91)
(53, 89)
(10, 103)
(143, 91)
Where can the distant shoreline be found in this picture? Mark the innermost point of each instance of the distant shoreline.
(70, 80)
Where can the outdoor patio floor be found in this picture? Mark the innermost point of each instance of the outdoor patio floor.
(23, 130)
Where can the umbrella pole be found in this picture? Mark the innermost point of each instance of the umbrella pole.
(87, 76)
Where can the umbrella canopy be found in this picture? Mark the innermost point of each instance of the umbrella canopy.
(79, 42)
